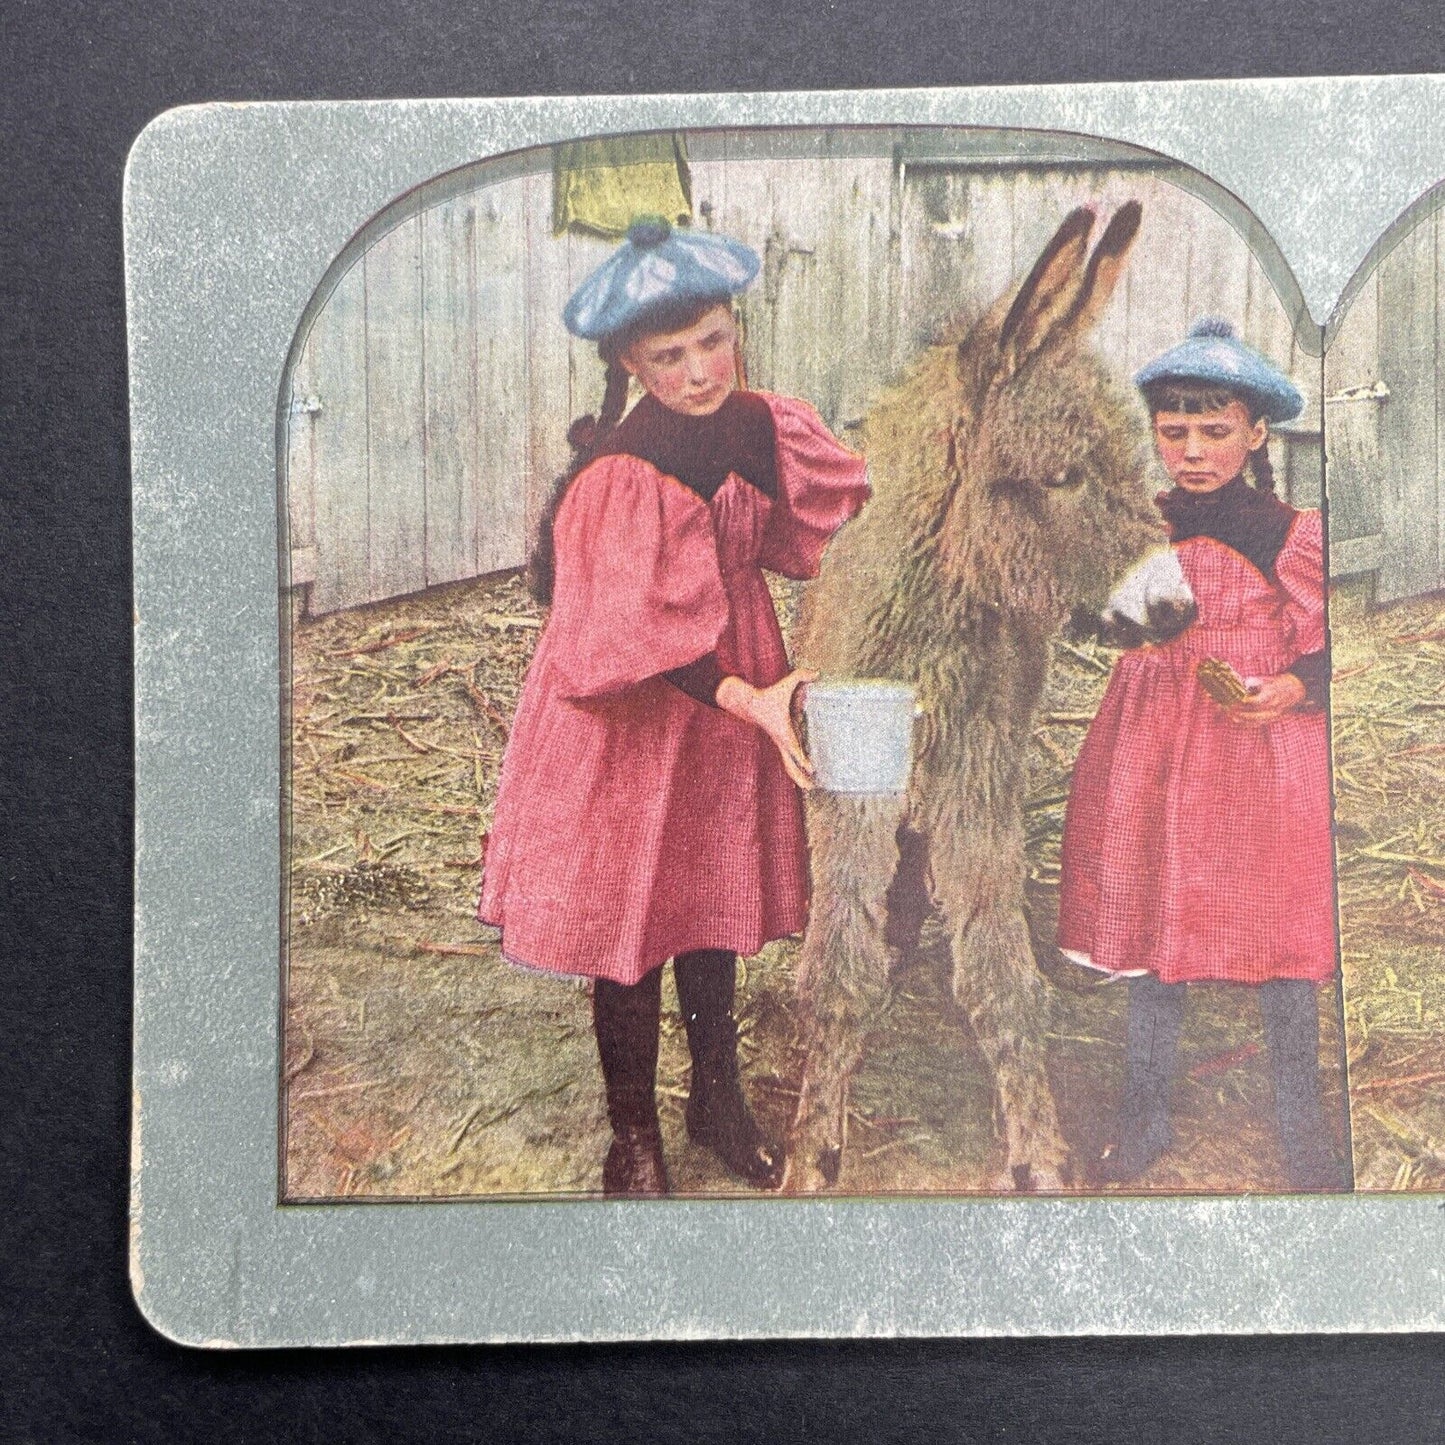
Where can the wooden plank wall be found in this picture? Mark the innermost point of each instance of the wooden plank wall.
(431, 399)
(1386, 458)
(1354, 468)
(446, 382)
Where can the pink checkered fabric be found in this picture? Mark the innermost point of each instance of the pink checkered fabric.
(1195, 847)
(633, 823)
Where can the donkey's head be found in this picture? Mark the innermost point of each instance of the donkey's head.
(1045, 497)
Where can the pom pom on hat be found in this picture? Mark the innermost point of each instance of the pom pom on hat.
(648, 231)
(658, 267)
(1213, 355)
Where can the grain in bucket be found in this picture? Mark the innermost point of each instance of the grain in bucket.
(860, 734)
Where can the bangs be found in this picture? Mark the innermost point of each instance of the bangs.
(661, 320)
(1194, 397)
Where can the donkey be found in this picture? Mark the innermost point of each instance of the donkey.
(1008, 475)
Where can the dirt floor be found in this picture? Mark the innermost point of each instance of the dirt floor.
(419, 1064)
(1389, 745)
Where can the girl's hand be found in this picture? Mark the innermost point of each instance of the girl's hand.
(1270, 698)
(771, 710)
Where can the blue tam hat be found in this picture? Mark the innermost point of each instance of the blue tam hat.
(657, 268)
(1213, 355)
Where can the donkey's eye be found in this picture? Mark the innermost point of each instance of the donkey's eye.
(1067, 478)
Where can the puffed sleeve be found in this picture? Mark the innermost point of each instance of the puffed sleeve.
(821, 484)
(1300, 571)
(638, 591)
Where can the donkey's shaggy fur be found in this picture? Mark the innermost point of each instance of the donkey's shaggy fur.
(1008, 488)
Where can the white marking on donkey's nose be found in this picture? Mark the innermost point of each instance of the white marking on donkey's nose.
(1157, 579)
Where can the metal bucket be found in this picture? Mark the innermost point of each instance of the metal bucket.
(860, 734)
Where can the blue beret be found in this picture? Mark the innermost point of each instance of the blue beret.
(657, 267)
(1214, 355)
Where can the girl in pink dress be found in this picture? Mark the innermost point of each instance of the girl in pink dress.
(1197, 841)
(649, 805)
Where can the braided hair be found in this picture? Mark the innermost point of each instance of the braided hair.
(588, 434)
(585, 436)
(1194, 397)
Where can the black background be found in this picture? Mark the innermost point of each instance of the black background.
(77, 1361)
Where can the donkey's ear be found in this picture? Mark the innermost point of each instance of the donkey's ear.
(1049, 294)
(1105, 267)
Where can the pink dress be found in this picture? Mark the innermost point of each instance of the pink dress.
(1194, 847)
(633, 822)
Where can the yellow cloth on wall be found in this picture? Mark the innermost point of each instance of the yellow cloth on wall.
(602, 186)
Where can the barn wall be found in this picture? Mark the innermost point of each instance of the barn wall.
(1386, 458)
(432, 394)
(1354, 465)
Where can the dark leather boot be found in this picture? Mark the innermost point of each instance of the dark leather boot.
(626, 1019)
(1141, 1130)
(1292, 1030)
(717, 1113)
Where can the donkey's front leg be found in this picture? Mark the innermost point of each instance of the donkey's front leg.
(843, 970)
(978, 875)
